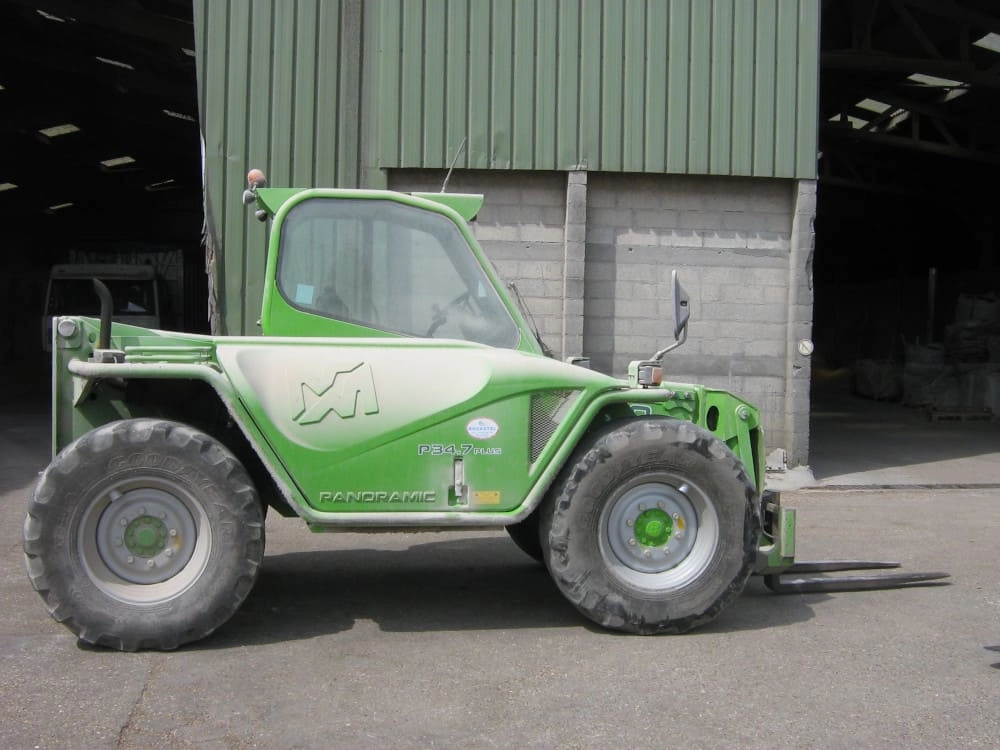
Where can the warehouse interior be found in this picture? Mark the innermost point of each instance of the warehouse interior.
(101, 158)
(906, 258)
(102, 163)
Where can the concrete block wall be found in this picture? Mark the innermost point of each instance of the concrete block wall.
(730, 239)
(592, 255)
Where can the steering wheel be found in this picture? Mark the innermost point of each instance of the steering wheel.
(439, 315)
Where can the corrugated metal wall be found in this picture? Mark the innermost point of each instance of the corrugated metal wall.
(335, 92)
(684, 86)
(279, 88)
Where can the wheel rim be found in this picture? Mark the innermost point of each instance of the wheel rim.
(659, 532)
(144, 540)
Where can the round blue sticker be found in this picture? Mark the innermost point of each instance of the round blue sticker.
(482, 428)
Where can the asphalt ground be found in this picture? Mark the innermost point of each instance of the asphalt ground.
(460, 641)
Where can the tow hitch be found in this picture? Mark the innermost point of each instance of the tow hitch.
(782, 575)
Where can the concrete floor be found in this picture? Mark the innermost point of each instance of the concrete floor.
(857, 442)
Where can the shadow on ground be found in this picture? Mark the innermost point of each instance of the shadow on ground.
(455, 585)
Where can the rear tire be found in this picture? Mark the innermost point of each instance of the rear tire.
(652, 528)
(144, 534)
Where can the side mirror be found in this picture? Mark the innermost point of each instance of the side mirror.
(682, 313)
(682, 307)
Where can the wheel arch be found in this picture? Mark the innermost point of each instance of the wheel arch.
(197, 403)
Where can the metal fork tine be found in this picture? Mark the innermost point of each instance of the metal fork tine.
(780, 585)
(826, 566)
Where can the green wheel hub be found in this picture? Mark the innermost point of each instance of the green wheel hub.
(146, 536)
(653, 527)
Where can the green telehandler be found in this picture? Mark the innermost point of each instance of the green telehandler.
(397, 386)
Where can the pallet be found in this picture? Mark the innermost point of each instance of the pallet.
(958, 415)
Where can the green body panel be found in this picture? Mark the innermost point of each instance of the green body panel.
(360, 426)
(370, 425)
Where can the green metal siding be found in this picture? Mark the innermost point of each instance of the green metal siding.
(682, 86)
(279, 88)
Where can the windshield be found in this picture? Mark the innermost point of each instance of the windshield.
(389, 266)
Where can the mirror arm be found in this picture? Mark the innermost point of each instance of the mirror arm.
(659, 355)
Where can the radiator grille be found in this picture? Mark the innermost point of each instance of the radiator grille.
(548, 410)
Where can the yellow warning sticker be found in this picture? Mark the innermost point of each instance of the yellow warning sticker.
(486, 497)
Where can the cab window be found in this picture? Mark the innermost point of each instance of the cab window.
(389, 266)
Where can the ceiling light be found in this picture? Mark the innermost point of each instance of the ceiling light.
(116, 63)
(178, 115)
(59, 130)
(7, 186)
(168, 184)
(49, 16)
(118, 161)
(58, 207)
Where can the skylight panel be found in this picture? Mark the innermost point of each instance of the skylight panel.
(856, 122)
(991, 42)
(873, 106)
(934, 81)
(57, 130)
(118, 161)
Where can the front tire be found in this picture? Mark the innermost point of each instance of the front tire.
(144, 534)
(653, 528)
(526, 535)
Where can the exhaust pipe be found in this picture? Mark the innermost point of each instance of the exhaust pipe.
(107, 307)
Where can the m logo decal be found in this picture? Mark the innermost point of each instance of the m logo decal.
(350, 390)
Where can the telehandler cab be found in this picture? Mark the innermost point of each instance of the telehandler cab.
(397, 385)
